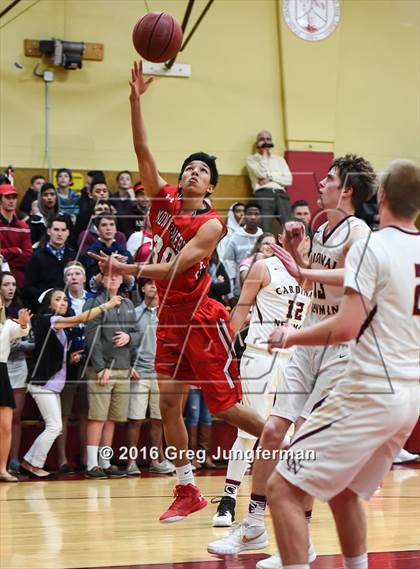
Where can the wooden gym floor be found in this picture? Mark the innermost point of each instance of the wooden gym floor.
(114, 523)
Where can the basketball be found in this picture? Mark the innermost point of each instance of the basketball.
(157, 37)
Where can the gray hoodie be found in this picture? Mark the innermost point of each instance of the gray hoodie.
(102, 353)
(239, 247)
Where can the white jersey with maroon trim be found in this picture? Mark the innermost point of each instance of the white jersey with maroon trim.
(282, 300)
(386, 270)
(328, 253)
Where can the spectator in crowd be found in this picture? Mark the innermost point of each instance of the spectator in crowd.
(88, 180)
(90, 236)
(198, 422)
(9, 331)
(124, 185)
(112, 341)
(68, 199)
(261, 250)
(220, 282)
(123, 199)
(144, 393)
(269, 175)
(96, 190)
(368, 211)
(234, 220)
(241, 243)
(140, 243)
(106, 242)
(45, 268)
(31, 194)
(15, 237)
(48, 374)
(47, 209)
(16, 364)
(301, 210)
(132, 217)
(75, 386)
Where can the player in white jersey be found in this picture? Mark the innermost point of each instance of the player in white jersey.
(275, 297)
(350, 181)
(371, 412)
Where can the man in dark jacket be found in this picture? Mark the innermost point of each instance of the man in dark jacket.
(45, 268)
(112, 341)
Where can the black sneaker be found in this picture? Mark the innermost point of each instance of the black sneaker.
(96, 472)
(225, 515)
(114, 472)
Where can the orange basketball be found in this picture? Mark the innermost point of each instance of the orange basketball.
(157, 37)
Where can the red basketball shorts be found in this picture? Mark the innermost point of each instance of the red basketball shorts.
(196, 346)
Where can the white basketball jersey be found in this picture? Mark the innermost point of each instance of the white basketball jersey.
(327, 253)
(281, 301)
(386, 270)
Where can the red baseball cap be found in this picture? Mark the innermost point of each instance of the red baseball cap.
(8, 190)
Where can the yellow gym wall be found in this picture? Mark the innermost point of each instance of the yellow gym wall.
(355, 91)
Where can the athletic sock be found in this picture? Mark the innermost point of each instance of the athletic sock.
(231, 488)
(185, 474)
(92, 456)
(103, 462)
(256, 510)
(237, 465)
(358, 562)
(302, 566)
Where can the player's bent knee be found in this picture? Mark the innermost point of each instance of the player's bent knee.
(273, 433)
(343, 497)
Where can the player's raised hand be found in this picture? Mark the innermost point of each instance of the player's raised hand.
(288, 261)
(138, 83)
(295, 234)
(108, 264)
(281, 337)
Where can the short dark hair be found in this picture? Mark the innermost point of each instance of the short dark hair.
(104, 215)
(93, 173)
(299, 203)
(357, 173)
(98, 179)
(47, 186)
(65, 170)
(62, 218)
(37, 177)
(123, 172)
(207, 159)
(249, 205)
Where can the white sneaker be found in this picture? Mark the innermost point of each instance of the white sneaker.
(275, 562)
(404, 456)
(164, 467)
(242, 537)
(133, 470)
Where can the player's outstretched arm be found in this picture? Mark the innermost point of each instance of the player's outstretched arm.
(253, 283)
(342, 327)
(148, 172)
(200, 247)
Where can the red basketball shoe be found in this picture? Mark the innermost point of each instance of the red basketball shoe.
(188, 499)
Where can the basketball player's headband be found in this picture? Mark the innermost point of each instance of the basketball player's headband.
(207, 159)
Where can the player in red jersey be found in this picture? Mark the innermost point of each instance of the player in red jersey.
(194, 339)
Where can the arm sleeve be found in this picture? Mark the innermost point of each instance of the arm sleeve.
(93, 336)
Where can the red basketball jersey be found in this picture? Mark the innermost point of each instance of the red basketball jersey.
(171, 232)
